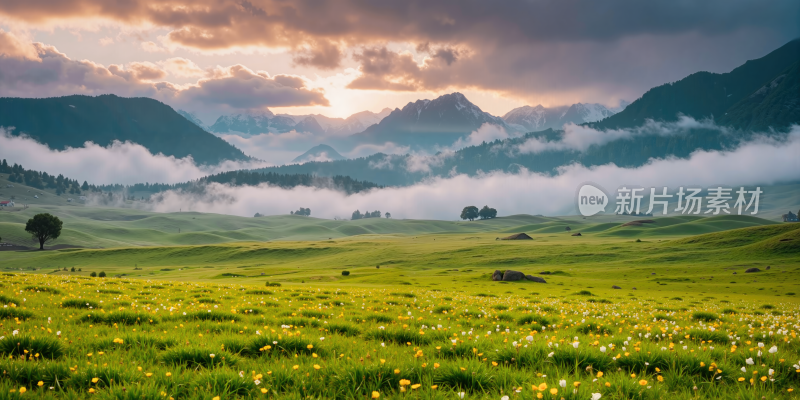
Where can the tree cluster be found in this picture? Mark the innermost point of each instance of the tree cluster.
(367, 214)
(43, 180)
(302, 211)
(472, 213)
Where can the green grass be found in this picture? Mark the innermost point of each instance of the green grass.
(430, 314)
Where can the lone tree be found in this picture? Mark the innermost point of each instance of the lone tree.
(44, 228)
(487, 213)
(102, 274)
(470, 213)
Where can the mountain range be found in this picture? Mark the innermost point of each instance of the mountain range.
(264, 121)
(763, 95)
(71, 121)
(730, 98)
(539, 118)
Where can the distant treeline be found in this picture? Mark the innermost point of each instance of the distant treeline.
(43, 180)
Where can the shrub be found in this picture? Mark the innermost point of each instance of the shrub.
(119, 318)
(79, 303)
(535, 320)
(216, 316)
(11, 313)
(102, 274)
(45, 289)
(194, 358)
(45, 347)
(345, 273)
(93, 274)
(273, 284)
(259, 292)
(8, 300)
(704, 316)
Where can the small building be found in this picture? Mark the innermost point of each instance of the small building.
(790, 217)
(6, 203)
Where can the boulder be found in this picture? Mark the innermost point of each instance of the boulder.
(497, 276)
(616, 287)
(535, 279)
(513, 276)
(754, 269)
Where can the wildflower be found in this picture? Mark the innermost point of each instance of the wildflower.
(264, 391)
(94, 380)
(596, 396)
(40, 384)
(660, 378)
(296, 367)
(749, 361)
(643, 382)
(317, 367)
(504, 398)
(375, 395)
(773, 349)
(416, 386)
(576, 344)
(602, 350)
(741, 379)
(600, 374)
(554, 391)
(405, 382)
(542, 387)
(168, 374)
(460, 395)
(562, 383)
(22, 389)
(211, 355)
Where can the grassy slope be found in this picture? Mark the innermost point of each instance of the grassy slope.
(665, 263)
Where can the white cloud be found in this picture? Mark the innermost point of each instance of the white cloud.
(123, 163)
(525, 192)
(580, 138)
(486, 133)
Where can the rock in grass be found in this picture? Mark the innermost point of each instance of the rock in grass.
(513, 276)
(497, 275)
(754, 269)
(616, 287)
(535, 279)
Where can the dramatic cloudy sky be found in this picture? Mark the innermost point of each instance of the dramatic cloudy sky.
(340, 57)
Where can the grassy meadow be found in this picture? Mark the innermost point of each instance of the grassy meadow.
(205, 306)
(417, 315)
